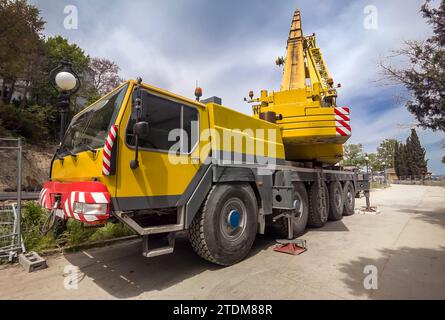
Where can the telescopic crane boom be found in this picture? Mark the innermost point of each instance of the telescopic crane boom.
(313, 127)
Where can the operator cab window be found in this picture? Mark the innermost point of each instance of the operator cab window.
(163, 116)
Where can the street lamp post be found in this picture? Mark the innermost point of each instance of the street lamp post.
(66, 82)
(367, 161)
(385, 181)
(368, 204)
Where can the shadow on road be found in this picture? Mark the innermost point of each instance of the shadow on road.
(337, 226)
(405, 273)
(436, 217)
(123, 272)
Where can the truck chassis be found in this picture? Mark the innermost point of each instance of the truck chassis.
(274, 193)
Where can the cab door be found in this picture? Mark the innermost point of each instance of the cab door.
(168, 155)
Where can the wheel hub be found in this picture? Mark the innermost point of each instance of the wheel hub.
(234, 219)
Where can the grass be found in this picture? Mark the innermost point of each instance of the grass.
(378, 185)
(75, 234)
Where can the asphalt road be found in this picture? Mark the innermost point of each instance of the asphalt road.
(405, 244)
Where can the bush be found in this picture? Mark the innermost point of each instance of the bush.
(31, 123)
(33, 217)
(110, 231)
(75, 234)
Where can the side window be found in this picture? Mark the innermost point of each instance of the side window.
(190, 126)
(164, 116)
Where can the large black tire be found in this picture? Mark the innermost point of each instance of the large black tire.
(300, 221)
(336, 201)
(318, 216)
(215, 234)
(348, 198)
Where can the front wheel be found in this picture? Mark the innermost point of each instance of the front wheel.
(225, 228)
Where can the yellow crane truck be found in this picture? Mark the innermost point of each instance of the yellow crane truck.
(161, 163)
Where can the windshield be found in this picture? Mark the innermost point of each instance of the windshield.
(89, 129)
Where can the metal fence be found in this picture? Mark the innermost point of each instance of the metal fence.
(10, 213)
(10, 238)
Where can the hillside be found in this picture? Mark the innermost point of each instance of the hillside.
(35, 166)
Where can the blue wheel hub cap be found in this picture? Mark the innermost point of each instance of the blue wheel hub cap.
(234, 219)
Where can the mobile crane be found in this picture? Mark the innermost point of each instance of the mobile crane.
(161, 163)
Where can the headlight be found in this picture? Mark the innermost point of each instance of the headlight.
(90, 208)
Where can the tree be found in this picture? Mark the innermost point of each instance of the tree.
(374, 162)
(57, 50)
(353, 155)
(105, 74)
(397, 158)
(20, 39)
(424, 77)
(415, 156)
(386, 151)
(404, 170)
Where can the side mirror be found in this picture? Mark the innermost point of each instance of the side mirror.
(141, 129)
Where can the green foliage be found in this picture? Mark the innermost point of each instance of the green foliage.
(410, 159)
(418, 166)
(353, 155)
(76, 233)
(60, 49)
(27, 58)
(386, 151)
(20, 37)
(110, 231)
(374, 163)
(425, 72)
(31, 123)
(33, 218)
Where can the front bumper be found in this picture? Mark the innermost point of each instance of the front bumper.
(71, 194)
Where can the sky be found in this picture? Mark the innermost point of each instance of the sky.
(230, 47)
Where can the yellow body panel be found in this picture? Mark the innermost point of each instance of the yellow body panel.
(258, 137)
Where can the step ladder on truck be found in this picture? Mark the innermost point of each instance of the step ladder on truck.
(161, 163)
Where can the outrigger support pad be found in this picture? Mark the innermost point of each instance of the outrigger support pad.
(290, 245)
(294, 246)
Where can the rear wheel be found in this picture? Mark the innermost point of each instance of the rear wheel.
(348, 198)
(318, 209)
(224, 230)
(301, 206)
(336, 202)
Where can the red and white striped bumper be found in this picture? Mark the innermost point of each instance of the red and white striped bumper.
(87, 201)
(342, 121)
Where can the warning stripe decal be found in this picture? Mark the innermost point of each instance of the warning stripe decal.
(342, 121)
(108, 147)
